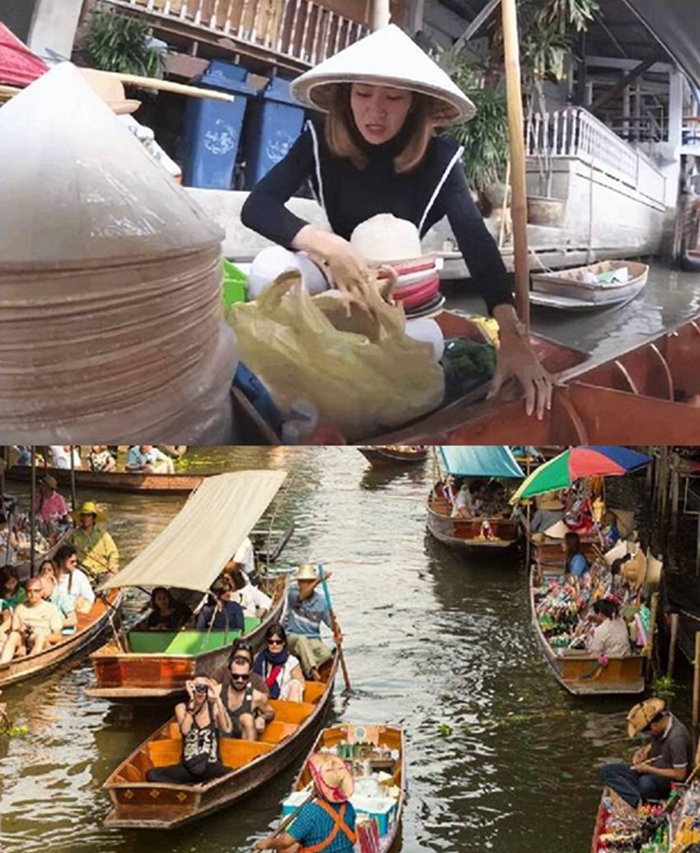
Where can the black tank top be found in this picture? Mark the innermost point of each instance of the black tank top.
(246, 706)
(200, 746)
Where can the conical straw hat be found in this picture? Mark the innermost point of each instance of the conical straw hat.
(387, 57)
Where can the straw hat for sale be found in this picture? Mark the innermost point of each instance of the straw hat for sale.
(549, 500)
(654, 569)
(642, 714)
(386, 57)
(307, 572)
(332, 777)
(89, 508)
(634, 571)
(557, 531)
(111, 90)
(386, 239)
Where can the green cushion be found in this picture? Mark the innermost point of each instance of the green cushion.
(185, 642)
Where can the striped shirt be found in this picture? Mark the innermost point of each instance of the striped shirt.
(305, 617)
(314, 825)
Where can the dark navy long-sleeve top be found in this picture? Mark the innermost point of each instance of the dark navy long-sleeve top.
(351, 195)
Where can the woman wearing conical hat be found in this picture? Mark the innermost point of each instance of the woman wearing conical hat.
(377, 152)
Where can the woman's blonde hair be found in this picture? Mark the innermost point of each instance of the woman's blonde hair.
(345, 140)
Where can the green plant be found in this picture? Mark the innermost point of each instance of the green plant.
(116, 43)
(665, 688)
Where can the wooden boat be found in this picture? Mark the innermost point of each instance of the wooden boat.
(90, 626)
(567, 289)
(148, 665)
(139, 804)
(371, 736)
(390, 457)
(469, 533)
(690, 262)
(113, 481)
(581, 674)
(653, 387)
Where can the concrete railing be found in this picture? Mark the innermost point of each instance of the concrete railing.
(299, 29)
(574, 132)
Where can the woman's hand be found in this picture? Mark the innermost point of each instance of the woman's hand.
(214, 693)
(189, 687)
(517, 358)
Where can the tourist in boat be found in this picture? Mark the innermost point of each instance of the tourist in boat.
(248, 708)
(377, 151)
(36, 624)
(146, 459)
(202, 720)
(668, 758)
(96, 549)
(494, 500)
(251, 598)
(242, 649)
(73, 580)
(167, 612)
(280, 669)
(63, 601)
(49, 504)
(611, 637)
(549, 511)
(468, 500)
(306, 609)
(61, 456)
(11, 590)
(327, 822)
(221, 613)
(101, 460)
(243, 559)
(9, 542)
(576, 562)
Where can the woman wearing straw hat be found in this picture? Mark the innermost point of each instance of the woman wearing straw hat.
(667, 759)
(96, 548)
(49, 504)
(376, 153)
(327, 823)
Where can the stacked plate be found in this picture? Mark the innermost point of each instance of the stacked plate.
(418, 289)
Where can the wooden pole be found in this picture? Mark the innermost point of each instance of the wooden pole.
(652, 633)
(169, 86)
(336, 627)
(516, 124)
(32, 514)
(696, 686)
(73, 498)
(672, 645)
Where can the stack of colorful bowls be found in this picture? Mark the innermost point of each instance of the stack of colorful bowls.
(418, 288)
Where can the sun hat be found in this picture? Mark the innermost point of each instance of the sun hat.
(387, 57)
(642, 714)
(549, 500)
(89, 508)
(111, 90)
(634, 571)
(386, 239)
(557, 531)
(654, 570)
(49, 481)
(307, 572)
(332, 777)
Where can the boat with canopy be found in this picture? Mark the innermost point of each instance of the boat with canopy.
(189, 555)
(485, 531)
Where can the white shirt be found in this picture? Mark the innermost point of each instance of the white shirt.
(611, 639)
(463, 501)
(253, 599)
(61, 457)
(79, 586)
(245, 555)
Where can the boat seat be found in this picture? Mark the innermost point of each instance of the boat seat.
(131, 774)
(165, 752)
(313, 691)
(174, 731)
(291, 712)
(276, 732)
(237, 753)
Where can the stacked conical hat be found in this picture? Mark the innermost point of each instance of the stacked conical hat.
(387, 57)
(109, 279)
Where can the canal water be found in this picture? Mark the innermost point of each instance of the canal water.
(500, 757)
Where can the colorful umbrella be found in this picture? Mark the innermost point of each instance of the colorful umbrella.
(577, 462)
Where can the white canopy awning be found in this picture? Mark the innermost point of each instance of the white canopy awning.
(194, 548)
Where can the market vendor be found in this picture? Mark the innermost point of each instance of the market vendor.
(97, 551)
(667, 759)
(377, 152)
(550, 511)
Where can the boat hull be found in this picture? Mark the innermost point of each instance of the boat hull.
(564, 290)
(115, 481)
(464, 534)
(386, 457)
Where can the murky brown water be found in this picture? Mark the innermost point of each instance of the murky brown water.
(431, 639)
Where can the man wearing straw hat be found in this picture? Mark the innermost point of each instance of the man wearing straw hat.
(306, 609)
(327, 823)
(49, 504)
(377, 152)
(97, 550)
(667, 759)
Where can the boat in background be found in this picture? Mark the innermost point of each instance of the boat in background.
(391, 456)
(111, 481)
(591, 287)
(139, 804)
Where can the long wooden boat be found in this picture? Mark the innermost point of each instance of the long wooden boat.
(469, 533)
(581, 674)
(90, 626)
(373, 740)
(568, 290)
(391, 457)
(653, 388)
(139, 804)
(113, 481)
(149, 665)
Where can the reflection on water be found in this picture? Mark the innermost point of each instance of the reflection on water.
(434, 642)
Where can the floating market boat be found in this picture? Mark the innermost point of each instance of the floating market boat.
(104, 613)
(690, 262)
(213, 523)
(139, 804)
(599, 285)
(112, 481)
(653, 386)
(486, 532)
(392, 456)
(379, 796)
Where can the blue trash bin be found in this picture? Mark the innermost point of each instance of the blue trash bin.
(274, 122)
(213, 128)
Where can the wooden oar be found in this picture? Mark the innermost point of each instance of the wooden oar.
(336, 627)
(291, 817)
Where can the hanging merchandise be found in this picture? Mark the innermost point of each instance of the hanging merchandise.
(110, 282)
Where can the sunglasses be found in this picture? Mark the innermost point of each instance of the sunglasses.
(239, 677)
(273, 642)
